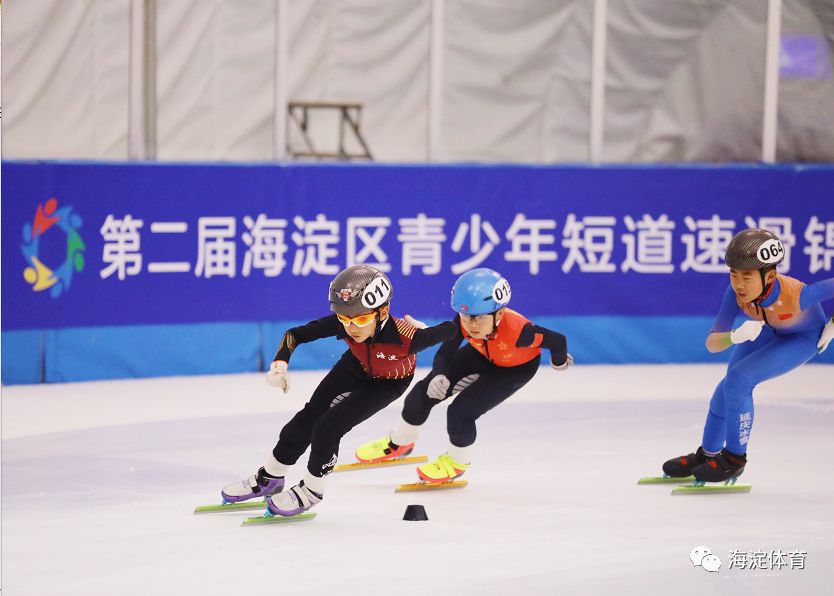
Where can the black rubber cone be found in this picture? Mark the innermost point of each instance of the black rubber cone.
(415, 513)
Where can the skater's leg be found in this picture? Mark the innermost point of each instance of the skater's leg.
(467, 366)
(779, 356)
(363, 402)
(491, 389)
(417, 405)
(715, 428)
(399, 442)
(296, 435)
(294, 439)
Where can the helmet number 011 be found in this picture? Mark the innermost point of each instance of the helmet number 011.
(376, 293)
(501, 291)
(771, 251)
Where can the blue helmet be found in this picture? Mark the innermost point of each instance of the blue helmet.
(480, 292)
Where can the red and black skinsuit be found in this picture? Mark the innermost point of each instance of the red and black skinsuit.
(368, 377)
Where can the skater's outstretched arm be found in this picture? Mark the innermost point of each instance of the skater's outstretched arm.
(812, 294)
(328, 326)
(536, 336)
(442, 362)
(719, 338)
(278, 375)
(429, 336)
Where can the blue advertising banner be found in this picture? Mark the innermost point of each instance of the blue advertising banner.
(125, 244)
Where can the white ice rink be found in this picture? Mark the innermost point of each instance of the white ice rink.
(99, 481)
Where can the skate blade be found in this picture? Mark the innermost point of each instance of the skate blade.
(276, 519)
(243, 506)
(402, 488)
(418, 459)
(711, 489)
(665, 480)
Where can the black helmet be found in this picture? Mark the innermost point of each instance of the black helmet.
(754, 248)
(358, 289)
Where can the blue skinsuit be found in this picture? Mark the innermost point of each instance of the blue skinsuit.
(784, 344)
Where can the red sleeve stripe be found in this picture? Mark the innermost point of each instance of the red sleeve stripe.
(405, 329)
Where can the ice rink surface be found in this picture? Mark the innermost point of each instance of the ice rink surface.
(99, 481)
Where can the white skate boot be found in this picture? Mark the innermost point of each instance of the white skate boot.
(296, 500)
(261, 484)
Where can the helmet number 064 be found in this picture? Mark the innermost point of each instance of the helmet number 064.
(771, 251)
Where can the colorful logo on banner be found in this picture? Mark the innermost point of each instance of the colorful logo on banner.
(38, 242)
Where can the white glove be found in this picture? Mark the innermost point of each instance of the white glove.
(564, 366)
(438, 387)
(278, 375)
(411, 320)
(747, 331)
(827, 336)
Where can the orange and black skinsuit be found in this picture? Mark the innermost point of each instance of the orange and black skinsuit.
(484, 372)
(369, 376)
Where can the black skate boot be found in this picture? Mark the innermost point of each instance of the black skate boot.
(681, 467)
(724, 467)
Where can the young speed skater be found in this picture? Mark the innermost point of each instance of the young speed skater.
(786, 328)
(376, 369)
(502, 354)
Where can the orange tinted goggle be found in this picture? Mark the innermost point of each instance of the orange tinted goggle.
(358, 320)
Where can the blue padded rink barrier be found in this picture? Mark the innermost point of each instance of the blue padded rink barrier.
(627, 253)
(100, 478)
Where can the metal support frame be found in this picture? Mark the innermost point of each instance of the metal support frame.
(349, 112)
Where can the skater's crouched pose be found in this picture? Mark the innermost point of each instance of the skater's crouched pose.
(502, 353)
(375, 370)
(786, 328)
